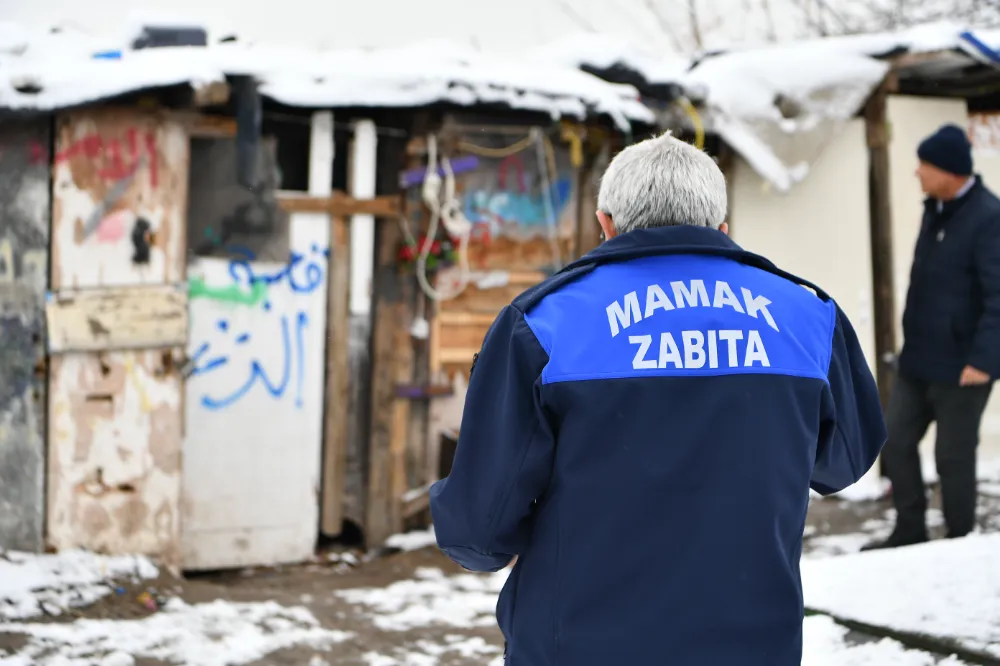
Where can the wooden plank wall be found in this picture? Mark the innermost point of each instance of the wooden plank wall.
(418, 385)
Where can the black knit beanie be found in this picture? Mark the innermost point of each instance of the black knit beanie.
(949, 150)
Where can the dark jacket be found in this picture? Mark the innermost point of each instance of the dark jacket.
(641, 432)
(952, 315)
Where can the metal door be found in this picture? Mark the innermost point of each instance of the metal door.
(117, 319)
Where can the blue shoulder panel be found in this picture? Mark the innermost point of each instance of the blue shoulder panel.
(682, 315)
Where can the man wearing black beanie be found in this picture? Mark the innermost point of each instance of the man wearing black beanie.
(951, 348)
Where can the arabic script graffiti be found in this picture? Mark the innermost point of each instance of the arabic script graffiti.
(284, 349)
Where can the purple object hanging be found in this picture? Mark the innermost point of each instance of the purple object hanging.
(415, 177)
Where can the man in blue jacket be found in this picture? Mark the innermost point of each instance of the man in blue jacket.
(951, 350)
(641, 432)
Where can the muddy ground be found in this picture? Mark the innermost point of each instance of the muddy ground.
(833, 527)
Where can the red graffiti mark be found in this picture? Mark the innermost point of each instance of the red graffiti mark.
(116, 161)
(512, 161)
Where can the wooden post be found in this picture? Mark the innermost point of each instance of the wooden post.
(337, 378)
(587, 235)
(339, 207)
(386, 444)
(392, 364)
(880, 216)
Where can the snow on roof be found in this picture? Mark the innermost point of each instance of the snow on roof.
(47, 72)
(779, 106)
(606, 51)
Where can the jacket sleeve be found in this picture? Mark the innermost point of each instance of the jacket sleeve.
(483, 511)
(852, 429)
(985, 354)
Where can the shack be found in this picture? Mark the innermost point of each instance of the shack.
(218, 345)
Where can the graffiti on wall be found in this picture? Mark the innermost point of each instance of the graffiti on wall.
(984, 132)
(282, 375)
(120, 177)
(116, 160)
(511, 198)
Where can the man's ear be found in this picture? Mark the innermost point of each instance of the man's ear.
(607, 224)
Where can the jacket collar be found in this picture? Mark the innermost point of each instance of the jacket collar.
(682, 239)
(663, 240)
(935, 205)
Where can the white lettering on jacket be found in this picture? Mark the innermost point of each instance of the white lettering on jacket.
(631, 309)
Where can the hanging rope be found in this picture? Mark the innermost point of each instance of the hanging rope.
(450, 215)
(497, 153)
(449, 211)
(546, 167)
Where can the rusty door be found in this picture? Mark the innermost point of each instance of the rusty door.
(24, 239)
(117, 319)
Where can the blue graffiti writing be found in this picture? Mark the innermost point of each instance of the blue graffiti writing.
(286, 349)
(292, 353)
(301, 278)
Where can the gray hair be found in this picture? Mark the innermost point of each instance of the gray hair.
(663, 182)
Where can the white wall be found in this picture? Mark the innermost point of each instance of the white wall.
(986, 156)
(819, 230)
(254, 409)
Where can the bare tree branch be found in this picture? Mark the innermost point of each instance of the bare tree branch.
(771, 34)
(695, 26)
(665, 25)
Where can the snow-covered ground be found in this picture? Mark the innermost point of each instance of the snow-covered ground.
(947, 589)
(413, 608)
(33, 585)
(210, 634)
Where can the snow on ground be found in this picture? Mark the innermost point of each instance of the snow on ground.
(826, 643)
(32, 584)
(219, 633)
(430, 597)
(427, 653)
(412, 540)
(947, 589)
(468, 601)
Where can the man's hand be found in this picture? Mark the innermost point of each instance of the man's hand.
(973, 377)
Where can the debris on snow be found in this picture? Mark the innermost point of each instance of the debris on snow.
(219, 633)
(35, 584)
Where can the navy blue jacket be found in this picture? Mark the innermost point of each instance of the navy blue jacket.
(952, 315)
(641, 431)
